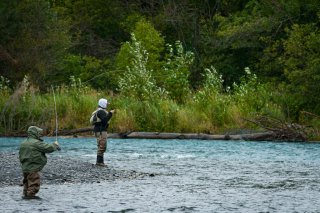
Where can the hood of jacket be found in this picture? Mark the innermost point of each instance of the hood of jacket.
(35, 132)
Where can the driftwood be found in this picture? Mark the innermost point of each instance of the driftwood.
(156, 135)
(283, 131)
(165, 135)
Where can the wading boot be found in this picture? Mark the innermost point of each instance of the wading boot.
(100, 161)
(30, 197)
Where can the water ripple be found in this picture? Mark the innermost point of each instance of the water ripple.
(188, 176)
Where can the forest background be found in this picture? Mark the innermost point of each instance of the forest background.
(166, 65)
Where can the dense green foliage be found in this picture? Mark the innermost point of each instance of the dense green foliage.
(208, 110)
(204, 63)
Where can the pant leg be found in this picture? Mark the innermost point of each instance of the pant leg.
(101, 142)
(25, 183)
(33, 183)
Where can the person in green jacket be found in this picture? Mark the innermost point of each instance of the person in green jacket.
(32, 156)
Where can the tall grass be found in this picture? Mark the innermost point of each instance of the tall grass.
(210, 109)
(27, 106)
(213, 114)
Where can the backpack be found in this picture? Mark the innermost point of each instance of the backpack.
(94, 118)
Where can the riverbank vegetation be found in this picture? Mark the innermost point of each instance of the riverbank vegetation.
(166, 66)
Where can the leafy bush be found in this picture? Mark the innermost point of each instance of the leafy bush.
(253, 98)
(212, 86)
(138, 81)
(4, 84)
(89, 69)
(151, 41)
(301, 62)
(176, 70)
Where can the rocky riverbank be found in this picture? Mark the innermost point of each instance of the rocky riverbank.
(62, 170)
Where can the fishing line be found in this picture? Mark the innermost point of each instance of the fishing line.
(114, 71)
(55, 109)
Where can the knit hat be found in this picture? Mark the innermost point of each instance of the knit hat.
(103, 103)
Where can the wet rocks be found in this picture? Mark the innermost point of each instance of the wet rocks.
(62, 170)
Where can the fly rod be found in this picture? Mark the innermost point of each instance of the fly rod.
(55, 110)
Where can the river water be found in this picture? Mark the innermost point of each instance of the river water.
(190, 176)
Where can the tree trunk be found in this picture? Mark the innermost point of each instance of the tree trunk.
(265, 136)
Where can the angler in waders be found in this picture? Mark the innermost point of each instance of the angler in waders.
(32, 155)
(100, 119)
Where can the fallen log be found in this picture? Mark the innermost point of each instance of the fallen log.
(262, 136)
(164, 135)
(156, 135)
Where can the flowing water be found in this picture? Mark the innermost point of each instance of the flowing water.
(190, 176)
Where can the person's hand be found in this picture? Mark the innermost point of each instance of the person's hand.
(113, 111)
(57, 145)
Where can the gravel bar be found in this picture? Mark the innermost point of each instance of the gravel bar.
(62, 170)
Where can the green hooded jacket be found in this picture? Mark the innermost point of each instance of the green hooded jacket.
(32, 151)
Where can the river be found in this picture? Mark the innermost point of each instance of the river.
(190, 176)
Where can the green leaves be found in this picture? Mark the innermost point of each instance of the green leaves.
(138, 81)
(52, 40)
(151, 40)
(176, 71)
(146, 75)
(301, 64)
(36, 40)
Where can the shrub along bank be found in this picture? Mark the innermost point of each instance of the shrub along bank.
(210, 109)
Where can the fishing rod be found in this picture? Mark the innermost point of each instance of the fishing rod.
(55, 110)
